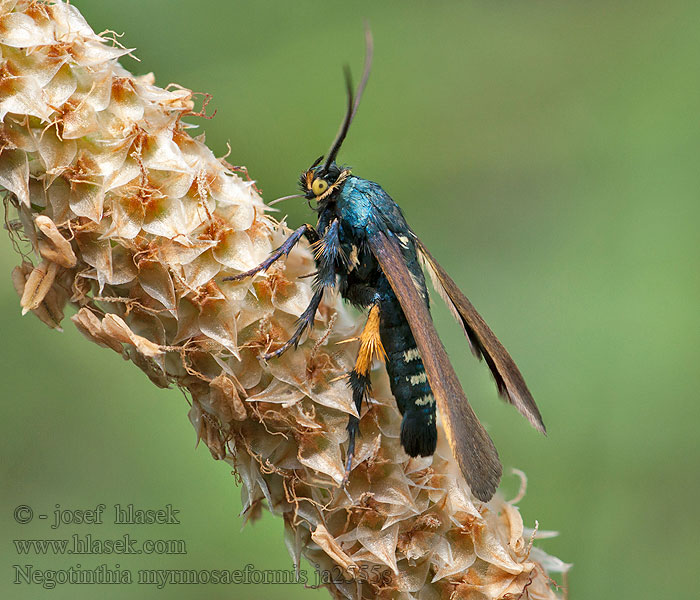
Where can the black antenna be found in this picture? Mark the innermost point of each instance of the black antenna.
(353, 102)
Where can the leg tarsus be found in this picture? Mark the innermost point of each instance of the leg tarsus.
(305, 230)
(360, 384)
(306, 320)
(353, 430)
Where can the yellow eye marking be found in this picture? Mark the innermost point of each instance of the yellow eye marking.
(334, 186)
(319, 186)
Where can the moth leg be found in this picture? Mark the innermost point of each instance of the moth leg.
(359, 379)
(306, 320)
(305, 230)
(361, 386)
(326, 251)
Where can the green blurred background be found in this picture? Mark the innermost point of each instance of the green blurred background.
(546, 152)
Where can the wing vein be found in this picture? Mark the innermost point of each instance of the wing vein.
(475, 452)
(484, 342)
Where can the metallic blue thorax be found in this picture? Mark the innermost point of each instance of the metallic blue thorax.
(362, 206)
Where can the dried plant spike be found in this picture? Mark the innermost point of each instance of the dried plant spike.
(135, 224)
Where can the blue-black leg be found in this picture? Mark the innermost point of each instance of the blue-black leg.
(306, 320)
(327, 254)
(360, 384)
(305, 230)
(326, 251)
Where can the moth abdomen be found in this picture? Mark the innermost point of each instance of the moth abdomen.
(410, 386)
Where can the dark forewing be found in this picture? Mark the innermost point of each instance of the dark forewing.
(471, 445)
(509, 380)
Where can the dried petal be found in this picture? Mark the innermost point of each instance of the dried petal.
(21, 31)
(226, 400)
(331, 547)
(490, 549)
(59, 250)
(157, 283)
(90, 326)
(218, 322)
(37, 286)
(322, 455)
(14, 174)
(50, 311)
(114, 326)
(380, 542)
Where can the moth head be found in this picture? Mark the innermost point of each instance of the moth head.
(322, 183)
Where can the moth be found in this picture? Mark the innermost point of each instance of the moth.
(364, 248)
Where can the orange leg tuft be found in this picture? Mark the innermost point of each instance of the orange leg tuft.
(370, 343)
